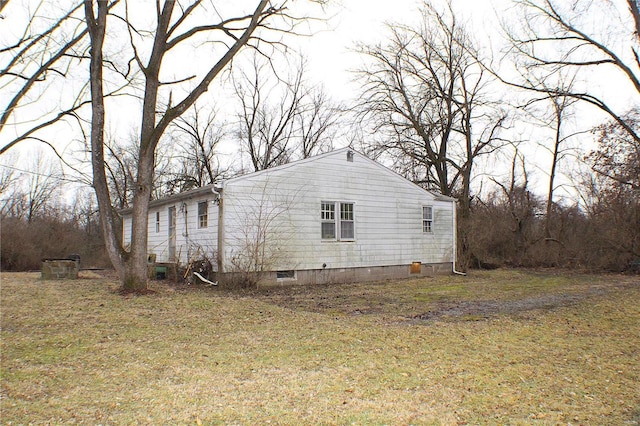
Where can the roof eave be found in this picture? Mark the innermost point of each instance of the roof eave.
(181, 196)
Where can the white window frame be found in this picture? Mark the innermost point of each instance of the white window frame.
(203, 219)
(337, 214)
(427, 219)
(157, 222)
(328, 216)
(347, 216)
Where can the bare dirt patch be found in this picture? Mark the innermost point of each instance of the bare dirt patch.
(426, 299)
(476, 309)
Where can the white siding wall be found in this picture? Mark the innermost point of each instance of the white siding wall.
(387, 210)
(126, 229)
(190, 240)
(157, 241)
(201, 241)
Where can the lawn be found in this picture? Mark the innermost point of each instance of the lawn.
(499, 347)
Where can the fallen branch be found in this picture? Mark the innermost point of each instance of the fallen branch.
(203, 279)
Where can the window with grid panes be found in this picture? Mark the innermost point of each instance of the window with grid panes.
(347, 228)
(328, 217)
(203, 214)
(427, 219)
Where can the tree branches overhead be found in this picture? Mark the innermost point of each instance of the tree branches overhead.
(51, 55)
(425, 95)
(42, 56)
(282, 116)
(582, 38)
(213, 35)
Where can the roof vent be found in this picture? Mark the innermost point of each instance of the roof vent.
(350, 156)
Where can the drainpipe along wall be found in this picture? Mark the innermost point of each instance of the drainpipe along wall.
(220, 244)
(455, 238)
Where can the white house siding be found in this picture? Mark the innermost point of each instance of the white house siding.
(387, 213)
(191, 241)
(126, 229)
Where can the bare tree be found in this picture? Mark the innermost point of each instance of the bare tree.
(561, 106)
(551, 111)
(617, 159)
(614, 194)
(580, 37)
(42, 184)
(189, 24)
(33, 192)
(7, 173)
(503, 224)
(120, 167)
(196, 137)
(47, 53)
(282, 118)
(261, 231)
(425, 92)
(121, 164)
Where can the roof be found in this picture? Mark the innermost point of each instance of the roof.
(181, 196)
(437, 196)
(214, 188)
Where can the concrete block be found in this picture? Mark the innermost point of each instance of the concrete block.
(57, 269)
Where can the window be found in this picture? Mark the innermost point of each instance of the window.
(332, 229)
(346, 221)
(203, 214)
(427, 219)
(157, 222)
(285, 275)
(328, 214)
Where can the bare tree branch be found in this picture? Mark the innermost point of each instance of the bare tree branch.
(424, 93)
(228, 37)
(556, 39)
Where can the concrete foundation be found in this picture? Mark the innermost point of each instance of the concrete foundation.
(352, 275)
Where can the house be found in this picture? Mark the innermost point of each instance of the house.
(335, 217)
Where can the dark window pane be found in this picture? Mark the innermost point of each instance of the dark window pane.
(328, 230)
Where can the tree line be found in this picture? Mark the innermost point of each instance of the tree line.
(432, 106)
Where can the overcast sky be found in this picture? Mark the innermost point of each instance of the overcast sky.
(329, 50)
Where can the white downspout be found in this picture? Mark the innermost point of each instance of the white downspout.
(455, 240)
(220, 242)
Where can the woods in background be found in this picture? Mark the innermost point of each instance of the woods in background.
(435, 105)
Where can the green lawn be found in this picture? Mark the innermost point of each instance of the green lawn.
(500, 347)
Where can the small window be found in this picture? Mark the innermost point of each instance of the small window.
(328, 216)
(427, 219)
(203, 214)
(157, 222)
(286, 275)
(347, 231)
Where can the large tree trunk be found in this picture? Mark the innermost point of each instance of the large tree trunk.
(97, 30)
(136, 275)
(132, 265)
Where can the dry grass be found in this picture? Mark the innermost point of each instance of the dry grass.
(504, 347)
